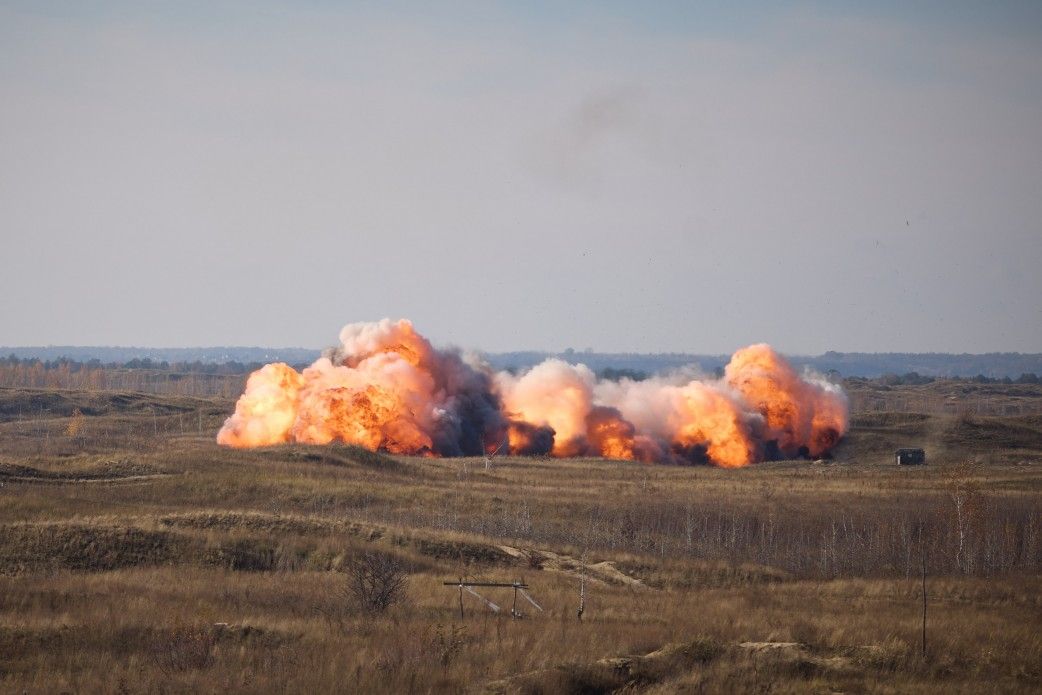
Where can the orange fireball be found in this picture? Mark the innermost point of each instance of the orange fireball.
(387, 388)
(800, 413)
(266, 410)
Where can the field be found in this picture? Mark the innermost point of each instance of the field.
(138, 556)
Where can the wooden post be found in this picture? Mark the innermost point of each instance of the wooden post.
(924, 599)
(516, 585)
(582, 590)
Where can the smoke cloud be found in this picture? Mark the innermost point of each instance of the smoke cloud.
(386, 388)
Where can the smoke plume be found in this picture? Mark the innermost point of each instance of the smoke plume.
(385, 387)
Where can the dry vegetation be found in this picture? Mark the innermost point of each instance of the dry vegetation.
(945, 397)
(137, 556)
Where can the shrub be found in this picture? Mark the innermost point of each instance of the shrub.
(376, 581)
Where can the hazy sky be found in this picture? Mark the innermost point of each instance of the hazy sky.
(621, 176)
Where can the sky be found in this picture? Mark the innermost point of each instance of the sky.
(687, 177)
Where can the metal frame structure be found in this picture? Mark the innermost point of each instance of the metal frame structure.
(518, 586)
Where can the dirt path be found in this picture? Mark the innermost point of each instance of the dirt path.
(605, 572)
(37, 480)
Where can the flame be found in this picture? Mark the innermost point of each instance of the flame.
(554, 394)
(690, 420)
(707, 417)
(387, 388)
(799, 412)
(526, 439)
(609, 435)
(383, 403)
(266, 410)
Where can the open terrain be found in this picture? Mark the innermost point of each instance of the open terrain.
(138, 556)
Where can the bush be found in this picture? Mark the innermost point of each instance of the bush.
(376, 581)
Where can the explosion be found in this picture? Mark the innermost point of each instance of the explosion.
(387, 388)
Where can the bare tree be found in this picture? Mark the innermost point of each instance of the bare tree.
(376, 581)
(964, 491)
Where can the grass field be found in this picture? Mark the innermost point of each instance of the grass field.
(138, 556)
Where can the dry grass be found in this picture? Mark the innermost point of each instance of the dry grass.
(137, 556)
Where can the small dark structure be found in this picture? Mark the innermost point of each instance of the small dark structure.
(910, 457)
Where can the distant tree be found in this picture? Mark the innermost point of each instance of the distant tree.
(75, 423)
(1028, 378)
(613, 374)
(890, 380)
